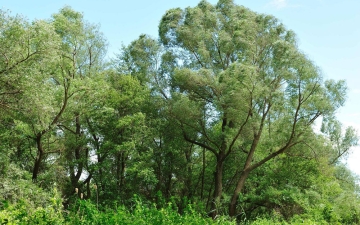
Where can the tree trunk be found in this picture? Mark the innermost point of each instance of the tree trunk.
(240, 185)
(203, 175)
(168, 187)
(118, 171)
(218, 186)
(39, 157)
(123, 167)
(188, 177)
(245, 173)
(75, 177)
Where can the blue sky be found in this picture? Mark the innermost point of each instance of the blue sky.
(328, 32)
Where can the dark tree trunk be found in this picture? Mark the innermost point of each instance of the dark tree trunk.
(118, 171)
(168, 187)
(188, 179)
(240, 185)
(75, 176)
(88, 191)
(218, 186)
(39, 157)
(123, 167)
(203, 175)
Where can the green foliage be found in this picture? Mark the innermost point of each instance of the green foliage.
(22, 202)
(23, 213)
(85, 213)
(17, 186)
(213, 119)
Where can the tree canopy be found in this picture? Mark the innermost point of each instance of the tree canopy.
(215, 118)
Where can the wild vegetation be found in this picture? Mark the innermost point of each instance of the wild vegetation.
(212, 123)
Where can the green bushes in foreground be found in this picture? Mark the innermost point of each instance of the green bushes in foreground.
(85, 212)
(23, 202)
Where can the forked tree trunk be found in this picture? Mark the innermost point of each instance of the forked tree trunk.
(245, 173)
(248, 168)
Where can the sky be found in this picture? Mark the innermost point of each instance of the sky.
(328, 32)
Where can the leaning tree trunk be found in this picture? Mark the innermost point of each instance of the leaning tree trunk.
(245, 173)
(248, 168)
(240, 185)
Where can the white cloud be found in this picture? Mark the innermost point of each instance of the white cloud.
(279, 4)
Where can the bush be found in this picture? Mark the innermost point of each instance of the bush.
(85, 212)
(22, 212)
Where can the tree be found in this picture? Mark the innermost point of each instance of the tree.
(82, 66)
(31, 61)
(118, 129)
(341, 143)
(244, 86)
(25, 50)
(51, 64)
(23, 45)
(144, 60)
(215, 117)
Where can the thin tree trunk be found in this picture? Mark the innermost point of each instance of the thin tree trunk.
(123, 167)
(240, 185)
(248, 168)
(218, 187)
(203, 175)
(39, 157)
(168, 187)
(40, 153)
(118, 171)
(78, 149)
(88, 191)
(209, 196)
(188, 179)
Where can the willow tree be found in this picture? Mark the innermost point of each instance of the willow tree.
(146, 60)
(80, 72)
(29, 54)
(24, 50)
(48, 66)
(22, 45)
(243, 86)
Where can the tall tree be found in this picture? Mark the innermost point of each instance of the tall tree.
(242, 75)
(35, 67)
(144, 60)
(26, 49)
(82, 67)
(24, 46)
(55, 62)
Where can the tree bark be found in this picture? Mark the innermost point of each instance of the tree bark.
(240, 185)
(39, 157)
(218, 186)
(38, 138)
(203, 174)
(188, 176)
